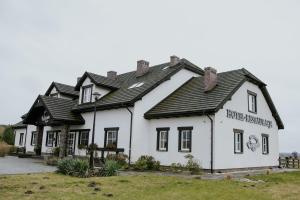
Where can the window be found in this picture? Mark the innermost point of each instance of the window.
(265, 144)
(54, 95)
(50, 138)
(162, 139)
(21, 139)
(238, 141)
(87, 94)
(83, 138)
(33, 138)
(185, 139)
(252, 104)
(111, 137)
(139, 84)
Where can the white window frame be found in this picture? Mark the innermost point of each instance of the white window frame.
(163, 140)
(86, 139)
(21, 139)
(265, 144)
(34, 138)
(252, 102)
(111, 137)
(87, 96)
(238, 142)
(185, 139)
(48, 144)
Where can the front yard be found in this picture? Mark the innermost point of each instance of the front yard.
(147, 186)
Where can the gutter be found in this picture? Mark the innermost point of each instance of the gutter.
(211, 145)
(130, 137)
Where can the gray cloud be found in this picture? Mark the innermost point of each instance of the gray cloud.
(45, 41)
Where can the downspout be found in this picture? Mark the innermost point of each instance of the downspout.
(25, 137)
(130, 137)
(211, 145)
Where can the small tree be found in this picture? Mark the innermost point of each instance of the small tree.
(8, 136)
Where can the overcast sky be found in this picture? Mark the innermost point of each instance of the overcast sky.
(45, 41)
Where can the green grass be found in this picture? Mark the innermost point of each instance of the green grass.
(148, 186)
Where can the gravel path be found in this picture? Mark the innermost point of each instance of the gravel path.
(15, 165)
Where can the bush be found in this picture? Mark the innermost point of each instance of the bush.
(4, 149)
(52, 161)
(8, 136)
(55, 151)
(147, 163)
(176, 167)
(110, 168)
(120, 158)
(192, 165)
(21, 150)
(73, 167)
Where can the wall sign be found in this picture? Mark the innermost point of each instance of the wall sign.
(253, 143)
(248, 118)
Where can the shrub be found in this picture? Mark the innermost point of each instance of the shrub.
(38, 150)
(147, 163)
(4, 149)
(8, 136)
(52, 161)
(55, 151)
(192, 165)
(120, 158)
(176, 167)
(21, 150)
(110, 168)
(73, 167)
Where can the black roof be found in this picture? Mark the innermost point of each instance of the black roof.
(19, 125)
(63, 89)
(59, 109)
(122, 95)
(190, 99)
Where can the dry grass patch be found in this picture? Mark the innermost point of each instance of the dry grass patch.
(147, 187)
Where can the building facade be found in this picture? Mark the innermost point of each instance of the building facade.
(225, 120)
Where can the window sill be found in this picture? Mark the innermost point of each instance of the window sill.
(185, 151)
(265, 153)
(252, 112)
(160, 150)
(238, 152)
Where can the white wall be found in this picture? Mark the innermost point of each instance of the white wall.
(54, 91)
(107, 119)
(17, 136)
(200, 140)
(224, 141)
(141, 127)
(29, 147)
(100, 90)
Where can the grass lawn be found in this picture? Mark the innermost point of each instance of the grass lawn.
(143, 187)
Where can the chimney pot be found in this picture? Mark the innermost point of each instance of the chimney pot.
(142, 67)
(112, 75)
(174, 60)
(210, 78)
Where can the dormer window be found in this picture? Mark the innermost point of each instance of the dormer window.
(138, 84)
(54, 95)
(252, 102)
(87, 94)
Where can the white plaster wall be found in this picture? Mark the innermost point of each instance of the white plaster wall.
(224, 141)
(17, 137)
(100, 90)
(106, 119)
(54, 91)
(29, 147)
(141, 133)
(200, 140)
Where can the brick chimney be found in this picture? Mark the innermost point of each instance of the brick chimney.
(112, 75)
(174, 60)
(210, 79)
(142, 67)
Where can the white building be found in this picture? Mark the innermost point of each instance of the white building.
(225, 120)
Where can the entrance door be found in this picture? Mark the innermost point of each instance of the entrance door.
(71, 143)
